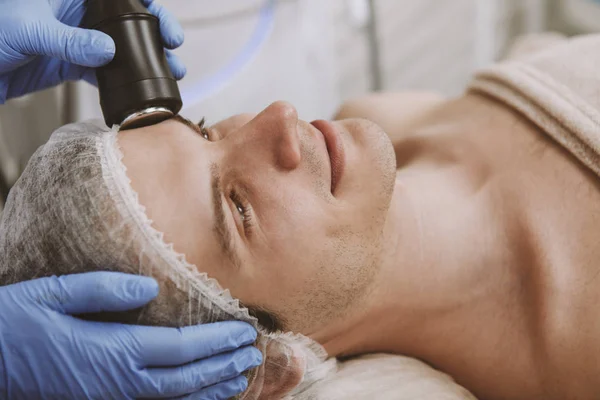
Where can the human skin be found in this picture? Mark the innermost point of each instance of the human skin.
(496, 274)
(472, 250)
(310, 254)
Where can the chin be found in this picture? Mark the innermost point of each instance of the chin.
(378, 149)
(373, 165)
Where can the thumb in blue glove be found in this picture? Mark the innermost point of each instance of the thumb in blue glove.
(41, 45)
(47, 353)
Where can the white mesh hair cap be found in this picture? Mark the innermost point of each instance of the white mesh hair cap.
(73, 210)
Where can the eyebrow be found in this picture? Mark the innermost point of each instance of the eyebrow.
(188, 123)
(221, 227)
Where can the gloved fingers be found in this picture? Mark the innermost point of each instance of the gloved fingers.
(177, 67)
(23, 81)
(221, 391)
(199, 375)
(79, 46)
(170, 29)
(99, 291)
(90, 77)
(72, 72)
(42, 73)
(77, 72)
(166, 347)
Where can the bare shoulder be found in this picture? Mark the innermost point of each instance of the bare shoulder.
(395, 112)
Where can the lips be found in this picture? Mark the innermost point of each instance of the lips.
(335, 149)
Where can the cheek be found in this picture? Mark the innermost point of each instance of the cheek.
(284, 252)
(205, 254)
(317, 277)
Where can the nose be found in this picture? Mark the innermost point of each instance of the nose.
(274, 134)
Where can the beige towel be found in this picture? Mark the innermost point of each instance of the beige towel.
(558, 89)
(387, 377)
(527, 45)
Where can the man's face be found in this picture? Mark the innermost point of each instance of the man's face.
(262, 205)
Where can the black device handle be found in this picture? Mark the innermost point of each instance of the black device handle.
(138, 78)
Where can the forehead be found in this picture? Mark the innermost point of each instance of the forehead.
(169, 167)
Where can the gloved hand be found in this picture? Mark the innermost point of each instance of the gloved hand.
(46, 353)
(41, 46)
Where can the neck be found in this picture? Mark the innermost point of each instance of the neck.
(448, 266)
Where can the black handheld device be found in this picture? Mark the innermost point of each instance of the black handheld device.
(137, 87)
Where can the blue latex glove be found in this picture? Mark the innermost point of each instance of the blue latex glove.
(46, 353)
(41, 46)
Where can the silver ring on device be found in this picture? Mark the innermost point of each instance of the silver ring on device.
(149, 116)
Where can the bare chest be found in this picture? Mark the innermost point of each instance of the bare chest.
(561, 214)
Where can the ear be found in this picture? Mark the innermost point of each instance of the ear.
(282, 371)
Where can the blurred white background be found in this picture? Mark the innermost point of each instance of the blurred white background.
(243, 54)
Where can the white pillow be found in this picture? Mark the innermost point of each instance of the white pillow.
(386, 377)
